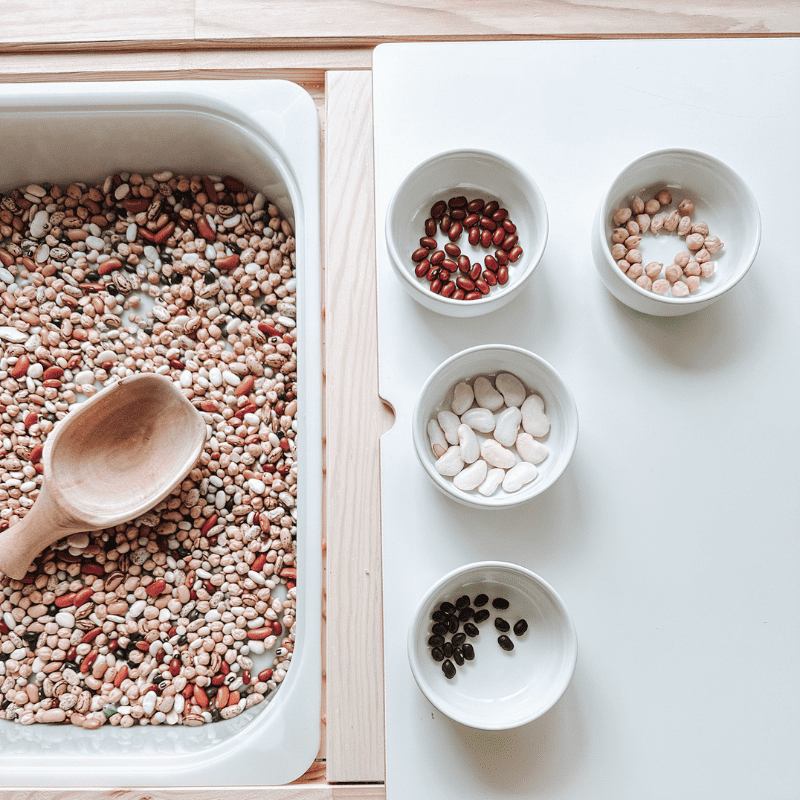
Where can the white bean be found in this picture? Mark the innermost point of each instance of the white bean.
(534, 420)
(451, 463)
(530, 450)
(462, 398)
(507, 426)
(518, 476)
(436, 436)
(497, 455)
(494, 477)
(471, 477)
(449, 422)
(469, 444)
(486, 396)
(479, 419)
(511, 388)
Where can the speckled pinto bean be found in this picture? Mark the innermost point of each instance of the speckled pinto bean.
(164, 619)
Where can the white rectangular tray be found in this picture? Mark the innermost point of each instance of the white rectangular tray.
(673, 535)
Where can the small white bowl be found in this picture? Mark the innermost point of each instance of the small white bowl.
(498, 690)
(474, 174)
(721, 198)
(537, 376)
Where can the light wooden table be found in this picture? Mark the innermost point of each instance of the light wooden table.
(327, 48)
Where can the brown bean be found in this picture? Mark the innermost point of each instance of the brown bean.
(453, 250)
(474, 235)
(459, 294)
(436, 286)
(465, 283)
(419, 254)
(463, 264)
(433, 273)
(473, 296)
(491, 263)
(491, 207)
(430, 227)
(422, 268)
(437, 257)
(449, 265)
(498, 236)
(428, 242)
(489, 277)
(438, 209)
(502, 276)
(509, 242)
(471, 221)
(486, 238)
(487, 223)
(500, 214)
(455, 231)
(459, 214)
(444, 275)
(448, 289)
(475, 272)
(474, 206)
(509, 226)
(444, 223)
(502, 257)
(482, 286)
(514, 253)
(457, 202)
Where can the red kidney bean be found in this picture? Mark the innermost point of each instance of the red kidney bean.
(498, 236)
(486, 238)
(457, 202)
(436, 286)
(430, 227)
(502, 276)
(444, 223)
(463, 264)
(458, 213)
(502, 257)
(475, 272)
(491, 207)
(473, 296)
(514, 253)
(459, 294)
(491, 263)
(433, 272)
(444, 275)
(471, 221)
(510, 241)
(482, 286)
(455, 231)
(453, 250)
(422, 268)
(489, 277)
(428, 242)
(448, 289)
(509, 226)
(474, 235)
(419, 254)
(487, 223)
(500, 214)
(438, 209)
(475, 205)
(449, 265)
(437, 257)
(465, 283)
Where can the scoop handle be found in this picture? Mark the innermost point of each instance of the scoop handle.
(44, 524)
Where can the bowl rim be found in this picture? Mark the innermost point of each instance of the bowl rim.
(571, 640)
(691, 300)
(419, 434)
(533, 259)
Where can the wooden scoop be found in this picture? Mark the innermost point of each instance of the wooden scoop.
(109, 460)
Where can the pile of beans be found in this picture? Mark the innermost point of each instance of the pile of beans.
(448, 270)
(447, 619)
(682, 277)
(161, 620)
(478, 441)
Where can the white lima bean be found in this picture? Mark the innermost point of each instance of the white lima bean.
(436, 436)
(462, 398)
(486, 396)
(451, 463)
(479, 419)
(519, 475)
(497, 455)
(449, 422)
(507, 426)
(469, 444)
(530, 450)
(534, 420)
(494, 477)
(511, 388)
(471, 477)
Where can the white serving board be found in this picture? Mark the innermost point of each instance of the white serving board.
(673, 535)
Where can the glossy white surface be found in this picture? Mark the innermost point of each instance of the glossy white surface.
(265, 132)
(672, 536)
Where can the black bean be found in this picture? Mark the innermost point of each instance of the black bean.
(449, 669)
(436, 641)
(439, 629)
(448, 649)
(438, 616)
(502, 625)
(459, 639)
(462, 601)
(505, 642)
(482, 615)
(468, 650)
(470, 629)
(458, 656)
(500, 602)
(481, 600)
(520, 627)
(466, 613)
(452, 624)
(447, 608)
(437, 653)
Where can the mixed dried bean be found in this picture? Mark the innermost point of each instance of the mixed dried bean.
(162, 620)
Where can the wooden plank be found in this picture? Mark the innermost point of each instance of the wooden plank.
(355, 418)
